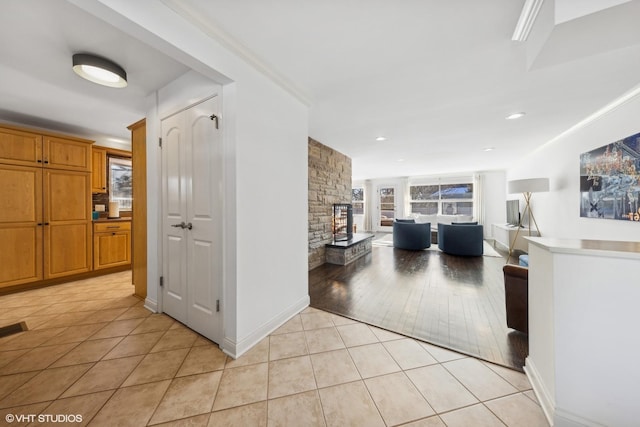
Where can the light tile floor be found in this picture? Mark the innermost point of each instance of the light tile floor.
(93, 352)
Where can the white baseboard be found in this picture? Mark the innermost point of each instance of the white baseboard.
(236, 349)
(151, 305)
(542, 394)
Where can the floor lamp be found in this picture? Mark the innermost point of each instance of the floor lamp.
(527, 187)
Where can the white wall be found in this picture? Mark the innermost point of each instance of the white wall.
(493, 200)
(558, 211)
(265, 149)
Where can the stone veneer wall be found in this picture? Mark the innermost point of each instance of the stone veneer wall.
(329, 183)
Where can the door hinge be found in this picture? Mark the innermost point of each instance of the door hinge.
(161, 281)
(160, 142)
(217, 305)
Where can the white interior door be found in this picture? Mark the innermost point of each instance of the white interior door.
(192, 211)
(387, 195)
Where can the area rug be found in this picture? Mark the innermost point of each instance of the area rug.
(387, 240)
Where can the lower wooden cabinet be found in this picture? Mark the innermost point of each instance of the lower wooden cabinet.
(111, 244)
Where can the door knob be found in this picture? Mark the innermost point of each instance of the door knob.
(181, 225)
(189, 226)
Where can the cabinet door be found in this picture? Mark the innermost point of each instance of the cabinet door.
(20, 148)
(111, 249)
(98, 170)
(61, 153)
(20, 225)
(67, 231)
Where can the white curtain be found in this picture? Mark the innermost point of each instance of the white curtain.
(368, 205)
(478, 197)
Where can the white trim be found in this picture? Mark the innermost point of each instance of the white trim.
(151, 305)
(541, 392)
(528, 17)
(595, 116)
(237, 48)
(236, 349)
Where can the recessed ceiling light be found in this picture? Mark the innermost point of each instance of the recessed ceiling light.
(489, 149)
(515, 116)
(400, 160)
(99, 70)
(381, 138)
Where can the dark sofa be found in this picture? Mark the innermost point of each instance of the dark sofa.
(461, 239)
(407, 234)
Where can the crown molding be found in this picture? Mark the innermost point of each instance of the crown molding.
(628, 96)
(231, 43)
(528, 17)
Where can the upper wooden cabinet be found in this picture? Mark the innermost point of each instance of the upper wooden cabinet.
(28, 148)
(98, 170)
(67, 154)
(20, 148)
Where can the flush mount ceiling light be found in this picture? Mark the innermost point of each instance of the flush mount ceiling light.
(514, 116)
(99, 70)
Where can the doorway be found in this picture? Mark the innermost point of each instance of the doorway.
(192, 217)
(386, 207)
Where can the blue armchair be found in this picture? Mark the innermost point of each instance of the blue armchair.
(461, 239)
(410, 235)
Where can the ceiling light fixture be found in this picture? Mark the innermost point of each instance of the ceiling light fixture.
(514, 116)
(381, 138)
(489, 149)
(99, 70)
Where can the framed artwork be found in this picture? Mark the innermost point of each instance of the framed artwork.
(610, 181)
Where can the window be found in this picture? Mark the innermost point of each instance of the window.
(120, 189)
(444, 199)
(357, 200)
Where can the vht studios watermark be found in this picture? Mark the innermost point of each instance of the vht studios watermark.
(43, 418)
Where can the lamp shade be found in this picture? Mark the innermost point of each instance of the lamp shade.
(99, 70)
(530, 185)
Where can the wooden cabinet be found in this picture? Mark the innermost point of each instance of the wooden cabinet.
(67, 230)
(21, 225)
(45, 220)
(98, 170)
(139, 178)
(25, 148)
(111, 244)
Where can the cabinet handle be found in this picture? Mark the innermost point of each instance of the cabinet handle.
(39, 161)
(113, 226)
(46, 161)
(40, 224)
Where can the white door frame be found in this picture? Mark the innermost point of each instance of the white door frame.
(378, 216)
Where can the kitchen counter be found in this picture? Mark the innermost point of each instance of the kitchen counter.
(112, 219)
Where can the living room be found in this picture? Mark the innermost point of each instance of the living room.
(268, 114)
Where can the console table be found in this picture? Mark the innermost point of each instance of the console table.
(343, 252)
(583, 320)
(505, 233)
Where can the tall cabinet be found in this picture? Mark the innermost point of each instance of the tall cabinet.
(139, 166)
(45, 219)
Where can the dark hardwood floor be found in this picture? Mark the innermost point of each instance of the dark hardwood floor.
(451, 301)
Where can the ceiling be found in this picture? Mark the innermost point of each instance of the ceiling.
(39, 88)
(436, 78)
